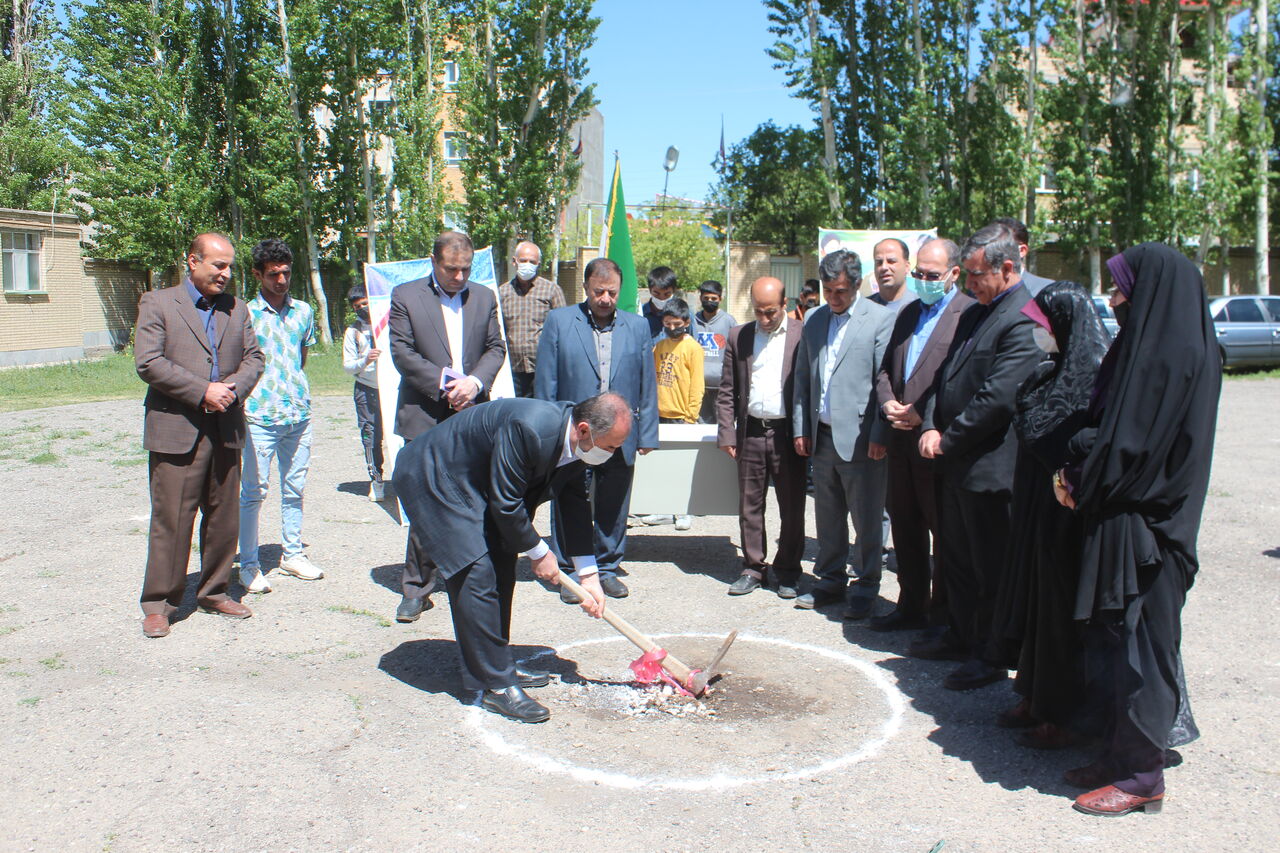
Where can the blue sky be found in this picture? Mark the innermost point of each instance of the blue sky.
(665, 70)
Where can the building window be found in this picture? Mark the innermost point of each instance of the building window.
(20, 266)
(455, 150)
(450, 74)
(381, 112)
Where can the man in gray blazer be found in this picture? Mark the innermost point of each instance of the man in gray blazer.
(472, 487)
(197, 351)
(585, 350)
(438, 324)
(835, 421)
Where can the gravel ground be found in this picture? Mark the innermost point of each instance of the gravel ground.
(320, 724)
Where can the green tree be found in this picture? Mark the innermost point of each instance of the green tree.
(137, 99)
(35, 156)
(519, 93)
(676, 238)
(773, 182)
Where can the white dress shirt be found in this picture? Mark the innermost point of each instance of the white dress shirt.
(765, 399)
(451, 309)
(584, 566)
(835, 340)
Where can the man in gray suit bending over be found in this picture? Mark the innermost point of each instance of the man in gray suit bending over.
(471, 487)
(440, 323)
(835, 420)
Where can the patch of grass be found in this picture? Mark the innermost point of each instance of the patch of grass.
(324, 372)
(6, 630)
(17, 674)
(105, 671)
(48, 573)
(46, 458)
(1251, 373)
(129, 460)
(352, 655)
(30, 700)
(382, 621)
(54, 662)
(110, 378)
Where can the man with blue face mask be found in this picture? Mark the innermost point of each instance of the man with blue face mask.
(921, 338)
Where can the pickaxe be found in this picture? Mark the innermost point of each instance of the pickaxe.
(693, 680)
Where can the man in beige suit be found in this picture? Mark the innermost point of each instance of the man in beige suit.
(196, 350)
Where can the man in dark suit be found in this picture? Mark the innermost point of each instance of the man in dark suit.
(921, 338)
(471, 487)
(446, 344)
(967, 425)
(196, 350)
(754, 427)
(585, 350)
(840, 352)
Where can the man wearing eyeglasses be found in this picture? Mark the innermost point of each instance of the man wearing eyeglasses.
(921, 338)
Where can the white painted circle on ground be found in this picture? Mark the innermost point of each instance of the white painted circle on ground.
(485, 725)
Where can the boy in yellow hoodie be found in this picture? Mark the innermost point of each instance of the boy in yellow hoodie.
(678, 360)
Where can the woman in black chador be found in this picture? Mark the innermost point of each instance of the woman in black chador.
(1140, 490)
(1035, 631)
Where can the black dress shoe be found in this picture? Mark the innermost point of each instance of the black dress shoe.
(411, 608)
(898, 621)
(787, 591)
(613, 587)
(942, 647)
(859, 608)
(528, 678)
(568, 596)
(973, 674)
(513, 702)
(745, 584)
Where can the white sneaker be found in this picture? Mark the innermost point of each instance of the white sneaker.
(253, 579)
(377, 490)
(654, 520)
(683, 522)
(300, 567)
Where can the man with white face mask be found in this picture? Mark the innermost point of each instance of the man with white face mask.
(525, 301)
(471, 487)
(921, 339)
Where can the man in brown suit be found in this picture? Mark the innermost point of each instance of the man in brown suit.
(752, 413)
(921, 338)
(196, 350)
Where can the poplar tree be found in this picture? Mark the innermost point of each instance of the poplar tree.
(35, 156)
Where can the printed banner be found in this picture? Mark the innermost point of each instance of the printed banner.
(863, 243)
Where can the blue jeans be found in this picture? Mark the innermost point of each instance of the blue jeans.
(291, 444)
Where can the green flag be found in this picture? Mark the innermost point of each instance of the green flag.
(618, 249)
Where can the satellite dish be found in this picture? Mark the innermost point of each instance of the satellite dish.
(673, 157)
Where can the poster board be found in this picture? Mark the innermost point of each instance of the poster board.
(863, 242)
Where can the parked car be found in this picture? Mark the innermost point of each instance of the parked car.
(1103, 304)
(1248, 329)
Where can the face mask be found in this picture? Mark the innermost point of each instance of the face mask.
(1122, 313)
(526, 271)
(812, 304)
(597, 455)
(1044, 339)
(710, 307)
(363, 314)
(928, 291)
(677, 333)
(659, 304)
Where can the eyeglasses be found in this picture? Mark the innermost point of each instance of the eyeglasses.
(928, 276)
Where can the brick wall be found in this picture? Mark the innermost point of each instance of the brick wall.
(747, 262)
(110, 303)
(45, 325)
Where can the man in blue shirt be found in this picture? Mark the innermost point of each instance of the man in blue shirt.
(921, 338)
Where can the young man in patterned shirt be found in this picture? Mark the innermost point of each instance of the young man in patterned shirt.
(279, 416)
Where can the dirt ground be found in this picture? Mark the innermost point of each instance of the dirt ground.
(320, 724)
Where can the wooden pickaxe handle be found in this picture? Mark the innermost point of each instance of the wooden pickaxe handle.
(678, 670)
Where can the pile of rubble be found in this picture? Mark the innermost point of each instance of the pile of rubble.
(638, 700)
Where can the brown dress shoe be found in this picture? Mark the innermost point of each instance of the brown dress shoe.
(1112, 802)
(155, 625)
(227, 607)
